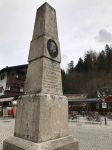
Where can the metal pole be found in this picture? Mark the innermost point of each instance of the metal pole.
(105, 118)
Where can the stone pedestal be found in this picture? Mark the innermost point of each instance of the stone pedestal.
(64, 143)
(41, 117)
(41, 124)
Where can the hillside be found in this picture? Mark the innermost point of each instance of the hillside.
(92, 74)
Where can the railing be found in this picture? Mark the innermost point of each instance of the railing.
(90, 117)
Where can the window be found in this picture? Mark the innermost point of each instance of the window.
(21, 89)
(15, 89)
(2, 76)
(8, 88)
(1, 89)
(20, 75)
(17, 76)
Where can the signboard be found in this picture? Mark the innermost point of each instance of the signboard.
(104, 105)
(97, 105)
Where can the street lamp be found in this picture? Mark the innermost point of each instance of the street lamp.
(104, 106)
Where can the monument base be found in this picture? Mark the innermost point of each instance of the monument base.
(64, 143)
(41, 117)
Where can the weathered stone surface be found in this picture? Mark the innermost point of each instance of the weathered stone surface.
(45, 28)
(44, 76)
(45, 22)
(65, 143)
(51, 82)
(41, 117)
(33, 82)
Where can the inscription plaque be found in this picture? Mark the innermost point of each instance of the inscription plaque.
(52, 77)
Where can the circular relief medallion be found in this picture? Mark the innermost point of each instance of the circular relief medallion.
(52, 48)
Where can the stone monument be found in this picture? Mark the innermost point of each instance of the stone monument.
(42, 113)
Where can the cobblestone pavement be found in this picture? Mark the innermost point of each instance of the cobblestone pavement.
(6, 129)
(90, 136)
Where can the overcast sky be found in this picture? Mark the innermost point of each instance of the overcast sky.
(82, 25)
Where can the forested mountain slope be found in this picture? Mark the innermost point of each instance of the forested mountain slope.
(92, 74)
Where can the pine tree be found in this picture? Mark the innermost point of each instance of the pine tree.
(87, 62)
(70, 67)
(80, 66)
(108, 59)
(101, 65)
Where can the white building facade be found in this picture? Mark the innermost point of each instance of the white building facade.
(3, 81)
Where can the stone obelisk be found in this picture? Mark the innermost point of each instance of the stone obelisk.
(42, 113)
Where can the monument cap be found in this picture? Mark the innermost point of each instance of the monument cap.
(45, 29)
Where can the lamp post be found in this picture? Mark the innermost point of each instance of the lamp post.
(104, 106)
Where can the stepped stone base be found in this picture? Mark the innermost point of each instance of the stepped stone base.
(64, 143)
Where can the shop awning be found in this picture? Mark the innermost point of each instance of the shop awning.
(84, 100)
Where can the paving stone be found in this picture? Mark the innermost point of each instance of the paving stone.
(90, 136)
